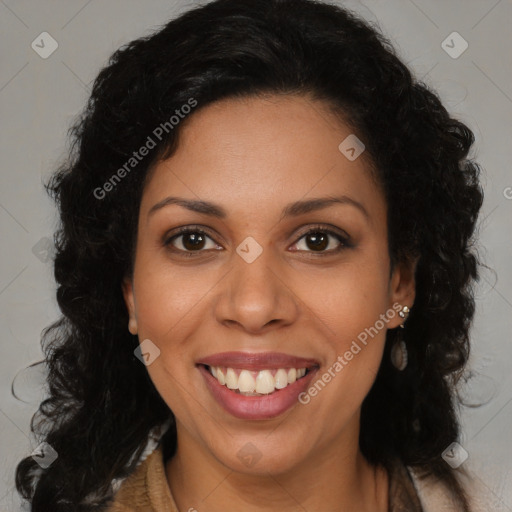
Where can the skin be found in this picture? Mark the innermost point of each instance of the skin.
(253, 156)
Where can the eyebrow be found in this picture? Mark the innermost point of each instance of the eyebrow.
(291, 210)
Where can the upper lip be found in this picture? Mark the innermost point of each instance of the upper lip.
(257, 360)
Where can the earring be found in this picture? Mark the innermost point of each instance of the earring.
(404, 313)
(132, 325)
(399, 355)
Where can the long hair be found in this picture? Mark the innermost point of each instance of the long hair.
(102, 404)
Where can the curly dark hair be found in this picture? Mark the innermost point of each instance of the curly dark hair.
(102, 403)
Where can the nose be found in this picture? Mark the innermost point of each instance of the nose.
(255, 297)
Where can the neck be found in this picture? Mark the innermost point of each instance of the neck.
(335, 478)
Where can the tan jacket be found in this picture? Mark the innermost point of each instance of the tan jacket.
(147, 490)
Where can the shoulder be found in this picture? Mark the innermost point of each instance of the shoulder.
(435, 495)
(146, 489)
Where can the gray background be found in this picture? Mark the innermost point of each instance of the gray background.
(40, 97)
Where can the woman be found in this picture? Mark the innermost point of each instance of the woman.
(265, 275)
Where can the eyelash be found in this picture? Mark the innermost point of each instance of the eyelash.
(344, 240)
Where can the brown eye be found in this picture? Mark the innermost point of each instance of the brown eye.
(193, 241)
(190, 240)
(317, 241)
(321, 241)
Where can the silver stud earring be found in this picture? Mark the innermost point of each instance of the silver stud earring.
(399, 355)
(404, 313)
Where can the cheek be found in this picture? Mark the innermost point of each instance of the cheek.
(170, 308)
(165, 295)
(351, 303)
(168, 311)
(347, 298)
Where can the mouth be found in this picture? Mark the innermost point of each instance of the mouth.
(256, 383)
(256, 386)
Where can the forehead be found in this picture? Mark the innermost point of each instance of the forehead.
(259, 153)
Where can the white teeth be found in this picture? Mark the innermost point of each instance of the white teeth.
(281, 378)
(265, 382)
(253, 383)
(246, 382)
(231, 379)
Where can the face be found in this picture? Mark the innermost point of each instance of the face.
(248, 294)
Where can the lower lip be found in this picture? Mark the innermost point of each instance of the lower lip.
(257, 407)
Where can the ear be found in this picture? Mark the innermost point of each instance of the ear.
(402, 288)
(129, 300)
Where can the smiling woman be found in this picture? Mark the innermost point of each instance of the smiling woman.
(276, 300)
